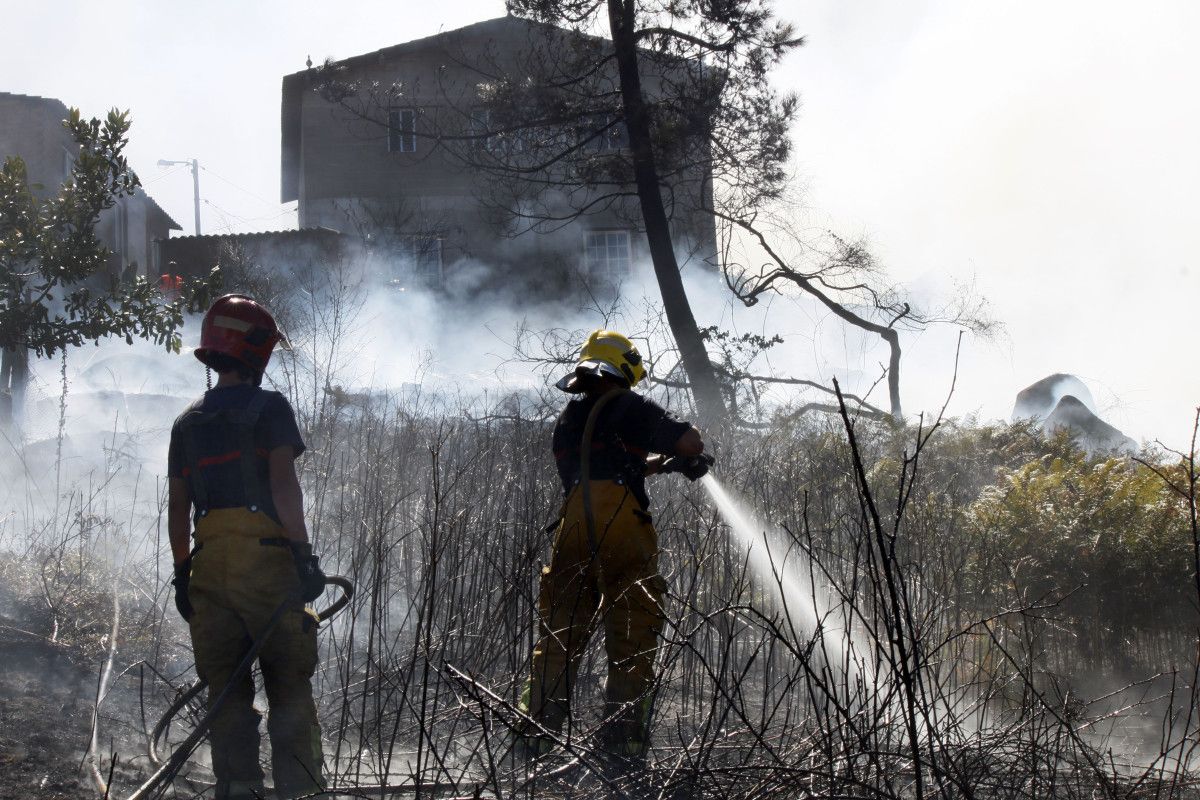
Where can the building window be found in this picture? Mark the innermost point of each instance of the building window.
(420, 261)
(121, 230)
(480, 125)
(402, 130)
(607, 256)
(500, 142)
(603, 133)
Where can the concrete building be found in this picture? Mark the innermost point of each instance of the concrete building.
(393, 164)
(31, 127)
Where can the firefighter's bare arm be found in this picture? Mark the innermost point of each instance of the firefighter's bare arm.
(179, 518)
(286, 492)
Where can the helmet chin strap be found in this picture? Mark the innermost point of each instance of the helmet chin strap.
(208, 375)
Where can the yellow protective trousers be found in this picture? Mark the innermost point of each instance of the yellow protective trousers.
(616, 585)
(241, 572)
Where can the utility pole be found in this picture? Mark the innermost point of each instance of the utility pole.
(194, 165)
(196, 191)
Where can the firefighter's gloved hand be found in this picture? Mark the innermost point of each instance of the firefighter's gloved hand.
(691, 467)
(312, 579)
(183, 577)
(697, 467)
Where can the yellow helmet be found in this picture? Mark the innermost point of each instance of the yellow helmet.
(606, 353)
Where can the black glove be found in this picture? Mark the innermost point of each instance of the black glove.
(183, 577)
(691, 467)
(312, 579)
(697, 466)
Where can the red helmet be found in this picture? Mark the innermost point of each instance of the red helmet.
(240, 328)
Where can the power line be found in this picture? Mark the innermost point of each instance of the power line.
(167, 174)
(242, 220)
(257, 197)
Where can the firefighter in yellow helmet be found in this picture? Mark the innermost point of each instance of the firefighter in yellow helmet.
(232, 478)
(603, 568)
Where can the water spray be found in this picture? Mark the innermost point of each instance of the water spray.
(783, 570)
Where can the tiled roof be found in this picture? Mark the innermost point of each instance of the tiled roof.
(175, 226)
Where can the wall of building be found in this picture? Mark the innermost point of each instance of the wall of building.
(31, 127)
(348, 177)
(130, 229)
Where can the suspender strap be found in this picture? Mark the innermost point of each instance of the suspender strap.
(249, 463)
(195, 474)
(605, 441)
(585, 487)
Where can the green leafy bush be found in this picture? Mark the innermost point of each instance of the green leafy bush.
(1107, 539)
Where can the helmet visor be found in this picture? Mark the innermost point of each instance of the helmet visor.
(571, 384)
(596, 367)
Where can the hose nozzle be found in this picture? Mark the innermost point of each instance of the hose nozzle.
(691, 467)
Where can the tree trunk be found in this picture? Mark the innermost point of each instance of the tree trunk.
(893, 339)
(14, 377)
(705, 389)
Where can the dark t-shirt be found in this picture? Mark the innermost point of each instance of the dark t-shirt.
(218, 446)
(629, 428)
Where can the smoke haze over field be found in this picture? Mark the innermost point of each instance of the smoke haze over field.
(1044, 151)
(1048, 150)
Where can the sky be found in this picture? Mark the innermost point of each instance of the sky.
(1044, 153)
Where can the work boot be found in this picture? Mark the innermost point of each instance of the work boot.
(624, 743)
(530, 743)
(241, 790)
(529, 747)
(626, 756)
(624, 764)
(625, 734)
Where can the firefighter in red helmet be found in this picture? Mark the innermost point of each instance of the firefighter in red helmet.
(233, 488)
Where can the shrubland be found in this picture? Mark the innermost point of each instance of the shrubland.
(1002, 616)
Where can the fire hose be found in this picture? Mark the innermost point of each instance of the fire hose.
(167, 770)
(585, 486)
